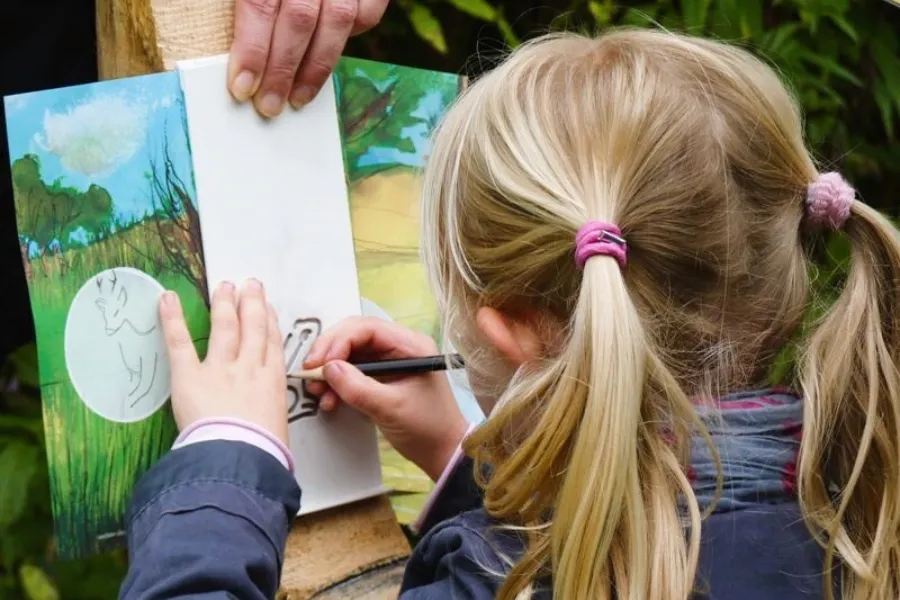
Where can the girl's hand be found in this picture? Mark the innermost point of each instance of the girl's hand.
(418, 414)
(243, 374)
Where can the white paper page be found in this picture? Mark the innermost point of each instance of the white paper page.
(273, 205)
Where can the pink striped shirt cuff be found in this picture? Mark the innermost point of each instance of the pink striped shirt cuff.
(442, 480)
(236, 430)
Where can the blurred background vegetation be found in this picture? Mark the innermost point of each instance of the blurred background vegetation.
(841, 56)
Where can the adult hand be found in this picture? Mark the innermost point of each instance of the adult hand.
(243, 373)
(417, 414)
(285, 50)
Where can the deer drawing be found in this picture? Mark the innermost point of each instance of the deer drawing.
(139, 358)
(296, 346)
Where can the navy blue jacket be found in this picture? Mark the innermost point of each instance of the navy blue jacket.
(210, 521)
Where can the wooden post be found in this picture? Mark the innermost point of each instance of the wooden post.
(354, 552)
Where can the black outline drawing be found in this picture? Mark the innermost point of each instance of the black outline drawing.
(296, 346)
(135, 366)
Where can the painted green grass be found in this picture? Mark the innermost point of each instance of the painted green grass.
(94, 463)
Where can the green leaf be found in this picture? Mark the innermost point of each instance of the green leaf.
(694, 13)
(845, 26)
(506, 30)
(24, 361)
(36, 584)
(885, 106)
(640, 16)
(18, 463)
(479, 9)
(829, 65)
(427, 26)
(889, 68)
(602, 13)
(751, 18)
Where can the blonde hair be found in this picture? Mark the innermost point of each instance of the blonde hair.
(695, 150)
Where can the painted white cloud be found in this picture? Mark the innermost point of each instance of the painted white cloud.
(96, 136)
(15, 103)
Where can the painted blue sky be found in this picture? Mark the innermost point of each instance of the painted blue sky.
(103, 133)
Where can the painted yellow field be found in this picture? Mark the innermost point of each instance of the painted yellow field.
(385, 214)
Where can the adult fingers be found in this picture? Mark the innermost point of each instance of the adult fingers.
(254, 323)
(254, 21)
(225, 334)
(275, 346)
(182, 354)
(373, 399)
(368, 15)
(294, 28)
(332, 30)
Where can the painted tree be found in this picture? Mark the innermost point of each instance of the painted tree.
(382, 106)
(176, 220)
(47, 215)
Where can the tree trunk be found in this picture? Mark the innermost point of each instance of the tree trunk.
(26, 262)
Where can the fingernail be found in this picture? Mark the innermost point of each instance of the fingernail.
(333, 369)
(169, 298)
(226, 286)
(271, 105)
(242, 86)
(254, 285)
(302, 96)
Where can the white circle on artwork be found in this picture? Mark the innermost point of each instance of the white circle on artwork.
(114, 347)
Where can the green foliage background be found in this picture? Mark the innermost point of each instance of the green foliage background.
(841, 56)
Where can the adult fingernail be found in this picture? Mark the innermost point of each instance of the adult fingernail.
(271, 104)
(302, 96)
(242, 86)
(254, 285)
(226, 286)
(169, 299)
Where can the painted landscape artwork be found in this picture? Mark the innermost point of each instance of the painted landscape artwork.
(108, 217)
(387, 114)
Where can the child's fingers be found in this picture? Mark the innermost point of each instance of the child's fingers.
(371, 336)
(182, 354)
(254, 323)
(224, 335)
(373, 399)
(316, 388)
(275, 347)
(328, 402)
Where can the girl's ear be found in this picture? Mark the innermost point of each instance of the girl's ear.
(515, 340)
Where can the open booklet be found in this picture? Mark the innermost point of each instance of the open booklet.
(125, 188)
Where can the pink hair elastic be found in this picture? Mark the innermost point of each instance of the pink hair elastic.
(828, 201)
(597, 238)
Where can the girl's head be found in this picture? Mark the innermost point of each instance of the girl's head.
(695, 150)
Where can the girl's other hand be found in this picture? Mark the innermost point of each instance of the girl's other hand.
(418, 414)
(243, 375)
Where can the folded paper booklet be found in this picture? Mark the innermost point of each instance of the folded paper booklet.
(126, 188)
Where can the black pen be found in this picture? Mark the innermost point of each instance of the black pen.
(389, 368)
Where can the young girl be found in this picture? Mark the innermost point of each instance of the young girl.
(619, 232)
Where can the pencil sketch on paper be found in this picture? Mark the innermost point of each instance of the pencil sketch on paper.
(139, 359)
(297, 343)
(124, 377)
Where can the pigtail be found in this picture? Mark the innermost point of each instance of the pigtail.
(594, 487)
(849, 479)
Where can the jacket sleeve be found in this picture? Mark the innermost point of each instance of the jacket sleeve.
(458, 494)
(210, 520)
(456, 561)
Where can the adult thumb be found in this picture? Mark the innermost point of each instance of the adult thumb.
(354, 388)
